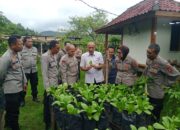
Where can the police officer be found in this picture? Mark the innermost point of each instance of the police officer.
(126, 67)
(78, 54)
(62, 51)
(50, 76)
(2, 100)
(69, 66)
(59, 55)
(161, 74)
(14, 80)
(29, 61)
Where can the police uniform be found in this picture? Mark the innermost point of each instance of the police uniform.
(78, 54)
(49, 70)
(29, 62)
(161, 74)
(59, 55)
(69, 69)
(126, 71)
(13, 79)
(50, 79)
(2, 101)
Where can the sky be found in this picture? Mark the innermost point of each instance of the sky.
(43, 15)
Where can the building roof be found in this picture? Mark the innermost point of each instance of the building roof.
(144, 7)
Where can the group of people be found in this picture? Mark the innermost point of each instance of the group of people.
(19, 64)
(123, 70)
(17, 67)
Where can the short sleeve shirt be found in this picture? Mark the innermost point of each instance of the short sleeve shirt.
(93, 74)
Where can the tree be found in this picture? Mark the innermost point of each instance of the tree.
(7, 27)
(85, 27)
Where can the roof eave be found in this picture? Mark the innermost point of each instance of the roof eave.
(112, 28)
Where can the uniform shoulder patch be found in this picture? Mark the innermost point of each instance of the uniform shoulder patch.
(169, 68)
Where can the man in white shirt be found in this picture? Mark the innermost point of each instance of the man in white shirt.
(92, 63)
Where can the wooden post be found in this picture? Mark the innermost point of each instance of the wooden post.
(122, 36)
(53, 120)
(106, 60)
(41, 49)
(154, 29)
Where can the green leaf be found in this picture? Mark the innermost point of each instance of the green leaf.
(142, 128)
(96, 116)
(158, 126)
(133, 127)
(166, 122)
(150, 127)
(147, 112)
(84, 106)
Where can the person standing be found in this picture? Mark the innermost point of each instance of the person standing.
(126, 67)
(50, 76)
(13, 81)
(69, 66)
(78, 54)
(92, 63)
(161, 74)
(59, 55)
(112, 70)
(29, 61)
(2, 100)
(62, 52)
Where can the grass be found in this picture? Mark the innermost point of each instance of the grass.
(31, 115)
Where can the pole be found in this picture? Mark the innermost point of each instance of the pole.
(106, 60)
(41, 49)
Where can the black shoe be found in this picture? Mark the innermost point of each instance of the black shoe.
(36, 100)
(22, 104)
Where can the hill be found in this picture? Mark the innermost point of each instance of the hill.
(7, 27)
(51, 33)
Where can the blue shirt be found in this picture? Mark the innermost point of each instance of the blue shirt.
(112, 71)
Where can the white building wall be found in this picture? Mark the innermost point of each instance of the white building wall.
(138, 42)
(163, 39)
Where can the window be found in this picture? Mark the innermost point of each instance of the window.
(175, 36)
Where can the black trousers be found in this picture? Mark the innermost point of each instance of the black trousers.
(12, 110)
(158, 106)
(33, 78)
(46, 111)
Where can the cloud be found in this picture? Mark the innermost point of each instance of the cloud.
(43, 15)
